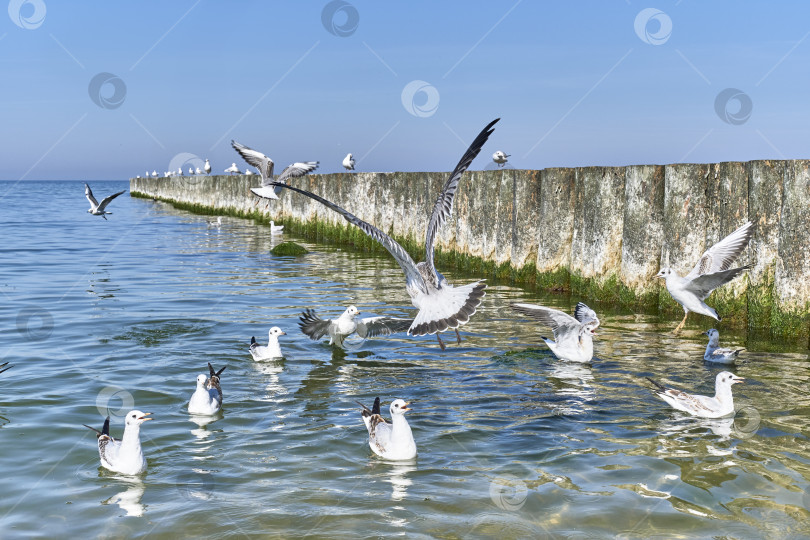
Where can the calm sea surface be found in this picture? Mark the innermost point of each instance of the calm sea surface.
(103, 316)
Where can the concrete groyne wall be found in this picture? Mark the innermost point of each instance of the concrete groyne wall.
(601, 232)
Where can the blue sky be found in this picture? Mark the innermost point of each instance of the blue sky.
(575, 83)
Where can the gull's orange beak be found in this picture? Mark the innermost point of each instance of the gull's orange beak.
(144, 417)
(406, 407)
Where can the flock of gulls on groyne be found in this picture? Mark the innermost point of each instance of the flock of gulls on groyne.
(440, 307)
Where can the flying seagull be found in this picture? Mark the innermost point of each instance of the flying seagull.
(722, 404)
(348, 162)
(265, 166)
(711, 271)
(573, 335)
(441, 306)
(124, 456)
(272, 350)
(99, 209)
(347, 324)
(207, 398)
(392, 441)
(500, 158)
(715, 353)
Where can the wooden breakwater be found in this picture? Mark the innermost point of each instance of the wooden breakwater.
(601, 232)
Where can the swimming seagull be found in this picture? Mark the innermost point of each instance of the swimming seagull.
(272, 350)
(265, 166)
(393, 440)
(276, 229)
(207, 167)
(715, 353)
(348, 162)
(232, 169)
(207, 398)
(722, 404)
(573, 335)
(347, 324)
(124, 456)
(5, 367)
(441, 306)
(99, 209)
(500, 158)
(711, 271)
(215, 222)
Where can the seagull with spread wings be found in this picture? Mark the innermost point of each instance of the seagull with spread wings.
(441, 306)
(265, 167)
(99, 209)
(711, 271)
(348, 323)
(573, 335)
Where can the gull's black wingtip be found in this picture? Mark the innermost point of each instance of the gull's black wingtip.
(105, 430)
(376, 408)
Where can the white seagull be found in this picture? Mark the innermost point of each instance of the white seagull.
(207, 167)
(711, 271)
(215, 223)
(191, 171)
(99, 209)
(722, 404)
(233, 169)
(500, 158)
(347, 324)
(393, 440)
(179, 171)
(154, 174)
(248, 172)
(715, 353)
(265, 166)
(348, 162)
(441, 306)
(198, 171)
(124, 456)
(207, 398)
(573, 335)
(272, 350)
(276, 229)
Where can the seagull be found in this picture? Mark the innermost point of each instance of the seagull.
(715, 353)
(99, 209)
(191, 171)
(154, 173)
(347, 324)
(232, 169)
(272, 350)
(198, 171)
(265, 166)
(348, 162)
(573, 335)
(124, 456)
(722, 404)
(207, 167)
(276, 229)
(441, 306)
(248, 172)
(207, 398)
(711, 271)
(179, 171)
(215, 223)
(500, 158)
(5, 367)
(392, 441)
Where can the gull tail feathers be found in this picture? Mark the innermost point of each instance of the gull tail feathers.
(449, 308)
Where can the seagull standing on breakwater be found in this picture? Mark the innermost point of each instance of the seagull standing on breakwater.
(347, 324)
(722, 404)
(711, 271)
(441, 306)
(233, 169)
(207, 167)
(392, 441)
(265, 166)
(500, 158)
(573, 335)
(348, 162)
(124, 456)
(99, 209)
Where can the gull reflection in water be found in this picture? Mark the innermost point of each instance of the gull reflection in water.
(398, 476)
(572, 380)
(129, 500)
(272, 369)
(202, 421)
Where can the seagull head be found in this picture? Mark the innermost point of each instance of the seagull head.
(201, 378)
(727, 378)
(351, 311)
(714, 336)
(664, 273)
(136, 418)
(590, 327)
(399, 406)
(276, 331)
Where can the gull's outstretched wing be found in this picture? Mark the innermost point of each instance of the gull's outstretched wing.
(444, 203)
(89, 194)
(584, 314)
(257, 159)
(702, 285)
(412, 275)
(722, 255)
(560, 323)
(313, 326)
(382, 326)
(295, 170)
(106, 200)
